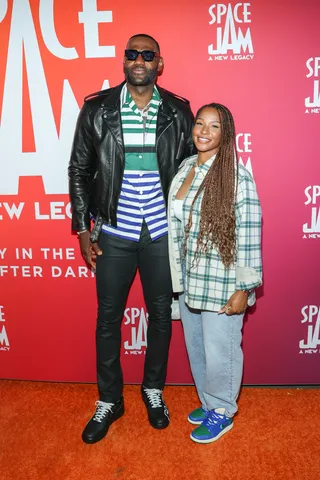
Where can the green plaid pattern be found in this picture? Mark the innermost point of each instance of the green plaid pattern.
(208, 284)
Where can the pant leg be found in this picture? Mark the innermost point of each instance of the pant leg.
(222, 335)
(115, 271)
(153, 264)
(193, 335)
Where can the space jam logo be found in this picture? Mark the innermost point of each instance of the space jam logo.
(311, 229)
(311, 319)
(312, 103)
(52, 145)
(233, 36)
(244, 149)
(136, 319)
(4, 341)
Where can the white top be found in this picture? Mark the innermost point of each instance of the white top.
(177, 208)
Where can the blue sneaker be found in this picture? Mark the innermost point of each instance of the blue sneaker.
(197, 416)
(212, 428)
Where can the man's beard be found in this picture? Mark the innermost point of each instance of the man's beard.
(149, 79)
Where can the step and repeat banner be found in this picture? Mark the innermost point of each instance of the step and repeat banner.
(262, 60)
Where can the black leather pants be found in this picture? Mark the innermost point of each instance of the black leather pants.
(115, 272)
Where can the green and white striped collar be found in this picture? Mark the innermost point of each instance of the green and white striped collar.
(126, 99)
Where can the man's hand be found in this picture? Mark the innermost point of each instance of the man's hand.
(236, 304)
(89, 250)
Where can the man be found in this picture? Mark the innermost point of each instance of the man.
(128, 144)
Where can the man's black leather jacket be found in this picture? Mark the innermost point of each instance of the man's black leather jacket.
(97, 159)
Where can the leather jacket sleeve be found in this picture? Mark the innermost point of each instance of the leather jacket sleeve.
(189, 149)
(81, 170)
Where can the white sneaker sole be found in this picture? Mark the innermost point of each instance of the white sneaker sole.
(210, 440)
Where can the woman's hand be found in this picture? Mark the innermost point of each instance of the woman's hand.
(236, 304)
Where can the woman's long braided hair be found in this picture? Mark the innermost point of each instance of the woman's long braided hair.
(217, 215)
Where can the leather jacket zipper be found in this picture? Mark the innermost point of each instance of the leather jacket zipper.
(169, 125)
(112, 182)
(111, 193)
(157, 141)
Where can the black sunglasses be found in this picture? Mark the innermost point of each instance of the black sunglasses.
(147, 55)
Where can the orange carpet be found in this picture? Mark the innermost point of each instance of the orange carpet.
(276, 436)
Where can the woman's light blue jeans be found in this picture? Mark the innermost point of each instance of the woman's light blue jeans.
(214, 348)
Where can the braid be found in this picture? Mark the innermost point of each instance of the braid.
(217, 215)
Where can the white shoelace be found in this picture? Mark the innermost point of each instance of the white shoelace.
(154, 396)
(102, 409)
(214, 418)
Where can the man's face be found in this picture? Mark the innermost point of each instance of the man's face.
(138, 72)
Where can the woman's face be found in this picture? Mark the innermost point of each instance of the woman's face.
(206, 132)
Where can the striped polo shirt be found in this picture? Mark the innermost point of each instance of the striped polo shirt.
(141, 196)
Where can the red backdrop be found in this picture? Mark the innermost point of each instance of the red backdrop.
(261, 59)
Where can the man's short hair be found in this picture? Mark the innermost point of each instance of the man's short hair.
(146, 36)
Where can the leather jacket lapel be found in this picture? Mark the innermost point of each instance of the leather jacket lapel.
(166, 114)
(112, 117)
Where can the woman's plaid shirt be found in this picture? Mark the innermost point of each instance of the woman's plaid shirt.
(208, 284)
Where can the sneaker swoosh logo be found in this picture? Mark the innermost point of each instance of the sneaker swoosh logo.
(224, 425)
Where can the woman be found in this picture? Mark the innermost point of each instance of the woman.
(215, 260)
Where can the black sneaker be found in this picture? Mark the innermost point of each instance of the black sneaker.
(98, 425)
(157, 409)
